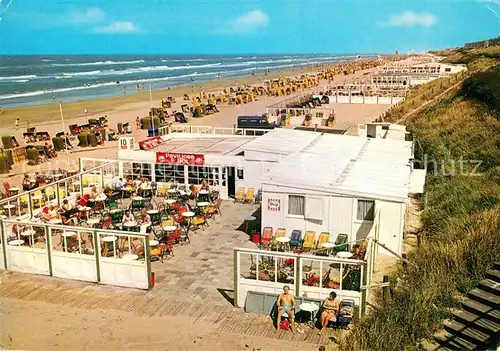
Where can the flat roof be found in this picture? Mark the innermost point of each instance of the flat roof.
(350, 165)
(281, 141)
(204, 145)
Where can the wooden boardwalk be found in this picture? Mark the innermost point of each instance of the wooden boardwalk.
(223, 317)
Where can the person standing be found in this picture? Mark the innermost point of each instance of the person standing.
(17, 123)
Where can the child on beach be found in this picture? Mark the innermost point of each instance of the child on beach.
(17, 123)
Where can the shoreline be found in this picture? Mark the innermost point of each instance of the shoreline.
(75, 109)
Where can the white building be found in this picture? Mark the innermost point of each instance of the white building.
(336, 184)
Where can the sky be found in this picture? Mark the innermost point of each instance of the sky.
(242, 26)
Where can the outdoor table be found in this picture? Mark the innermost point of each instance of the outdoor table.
(55, 221)
(29, 233)
(344, 254)
(328, 246)
(9, 207)
(311, 308)
(129, 225)
(101, 197)
(130, 257)
(248, 219)
(169, 228)
(65, 236)
(170, 201)
(13, 191)
(203, 204)
(16, 242)
(188, 214)
(283, 240)
(92, 221)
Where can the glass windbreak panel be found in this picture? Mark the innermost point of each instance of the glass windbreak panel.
(267, 269)
(331, 275)
(179, 174)
(286, 270)
(311, 272)
(28, 235)
(248, 266)
(124, 246)
(73, 241)
(351, 277)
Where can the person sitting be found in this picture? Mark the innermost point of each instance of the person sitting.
(27, 185)
(286, 304)
(80, 201)
(119, 184)
(51, 213)
(66, 206)
(204, 185)
(145, 217)
(330, 311)
(93, 192)
(128, 217)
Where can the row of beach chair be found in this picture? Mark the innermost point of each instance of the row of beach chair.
(306, 243)
(245, 196)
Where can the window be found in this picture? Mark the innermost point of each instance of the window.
(366, 210)
(239, 172)
(447, 69)
(296, 205)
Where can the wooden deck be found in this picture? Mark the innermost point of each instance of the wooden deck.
(224, 317)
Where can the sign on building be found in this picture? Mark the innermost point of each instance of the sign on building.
(180, 159)
(273, 205)
(126, 143)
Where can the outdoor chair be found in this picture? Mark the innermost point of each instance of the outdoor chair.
(240, 195)
(266, 237)
(323, 238)
(341, 243)
(250, 196)
(50, 193)
(309, 241)
(198, 222)
(295, 238)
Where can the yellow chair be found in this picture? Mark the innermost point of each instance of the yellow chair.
(198, 222)
(167, 222)
(324, 237)
(309, 240)
(50, 193)
(250, 196)
(280, 233)
(240, 195)
(62, 194)
(162, 190)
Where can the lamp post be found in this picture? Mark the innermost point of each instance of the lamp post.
(151, 110)
(64, 135)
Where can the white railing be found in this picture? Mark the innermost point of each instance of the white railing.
(209, 130)
(28, 203)
(88, 254)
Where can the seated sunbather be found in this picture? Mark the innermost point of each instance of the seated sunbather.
(330, 310)
(286, 304)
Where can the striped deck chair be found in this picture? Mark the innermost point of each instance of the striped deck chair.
(266, 237)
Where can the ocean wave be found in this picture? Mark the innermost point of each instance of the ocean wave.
(20, 80)
(98, 63)
(60, 90)
(47, 60)
(90, 73)
(31, 76)
(186, 60)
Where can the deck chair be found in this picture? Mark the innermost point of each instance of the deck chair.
(295, 238)
(341, 243)
(280, 233)
(240, 195)
(266, 237)
(309, 240)
(323, 238)
(250, 195)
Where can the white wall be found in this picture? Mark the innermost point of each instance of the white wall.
(339, 216)
(252, 172)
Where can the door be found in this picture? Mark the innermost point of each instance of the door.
(231, 180)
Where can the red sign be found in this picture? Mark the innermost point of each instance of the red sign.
(273, 205)
(150, 143)
(180, 159)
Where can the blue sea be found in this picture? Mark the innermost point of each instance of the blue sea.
(34, 80)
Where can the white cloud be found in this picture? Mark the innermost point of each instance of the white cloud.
(411, 19)
(118, 27)
(91, 15)
(248, 22)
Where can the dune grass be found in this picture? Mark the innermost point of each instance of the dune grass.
(461, 220)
